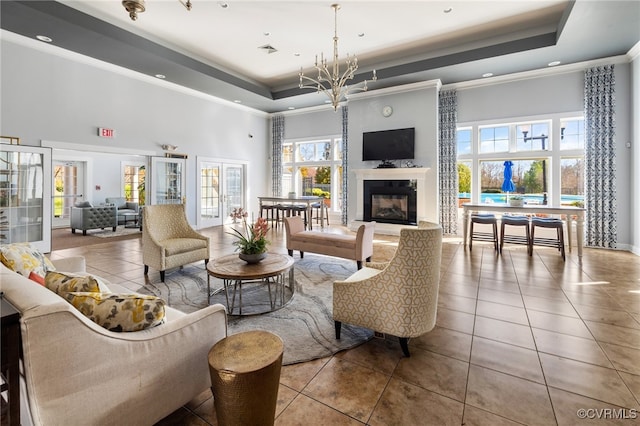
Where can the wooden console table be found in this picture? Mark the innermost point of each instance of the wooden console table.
(10, 356)
(567, 212)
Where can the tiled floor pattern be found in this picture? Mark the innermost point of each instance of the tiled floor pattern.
(519, 340)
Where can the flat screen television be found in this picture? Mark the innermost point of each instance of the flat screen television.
(397, 144)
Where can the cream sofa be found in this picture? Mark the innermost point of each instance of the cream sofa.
(358, 247)
(78, 373)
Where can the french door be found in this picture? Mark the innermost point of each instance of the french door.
(68, 188)
(221, 188)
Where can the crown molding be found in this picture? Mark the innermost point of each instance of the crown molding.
(543, 72)
(634, 52)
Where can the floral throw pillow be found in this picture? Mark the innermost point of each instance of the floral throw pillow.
(24, 259)
(64, 282)
(119, 312)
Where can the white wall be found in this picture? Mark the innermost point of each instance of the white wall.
(48, 97)
(634, 139)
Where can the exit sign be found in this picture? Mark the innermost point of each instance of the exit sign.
(106, 133)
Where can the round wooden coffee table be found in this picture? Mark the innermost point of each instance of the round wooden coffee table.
(235, 273)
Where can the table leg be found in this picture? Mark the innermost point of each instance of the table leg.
(580, 233)
(309, 209)
(465, 227)
(569, 226)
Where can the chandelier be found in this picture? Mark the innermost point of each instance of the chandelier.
(333, 83)
(137, 6)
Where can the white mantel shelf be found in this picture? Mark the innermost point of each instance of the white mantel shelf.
(426, 191)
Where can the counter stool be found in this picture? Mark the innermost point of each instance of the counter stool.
(268, 212)
(525, 239)
(282, 211)
(300, 210)
(321, 212)
(245, 376)
(485, 219)
(553, 223)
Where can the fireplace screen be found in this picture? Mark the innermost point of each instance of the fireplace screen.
(389, 207)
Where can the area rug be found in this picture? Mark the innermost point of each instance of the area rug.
(305, 323)
(108, 232)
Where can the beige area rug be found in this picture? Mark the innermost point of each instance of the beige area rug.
(108, 233)
(62, 238)
(305, 323)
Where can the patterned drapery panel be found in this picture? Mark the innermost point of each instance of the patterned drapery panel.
(277, 138)
(345, 156)
(447, 164)
(600, 157)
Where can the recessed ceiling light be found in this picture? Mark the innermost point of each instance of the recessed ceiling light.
(296, 54)
(267, 33)
(223, 4)
(291, 108)
(360, 34)
(487, 74)
(448, 10)
(554, 63)
(44, 38)
(161, 76)
(238, 101)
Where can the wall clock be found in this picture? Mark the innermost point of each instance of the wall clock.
(387, 111)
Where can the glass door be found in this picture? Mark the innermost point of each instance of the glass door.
(68, 188)
(234, 189)
(25, 196)
(209, 199)
(167, 180)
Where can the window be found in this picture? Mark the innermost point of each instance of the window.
(134, 182)
(547, 155)
(313, 167)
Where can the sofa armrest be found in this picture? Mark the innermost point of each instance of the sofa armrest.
(70, 264)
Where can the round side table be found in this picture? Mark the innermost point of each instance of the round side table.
(245, 376)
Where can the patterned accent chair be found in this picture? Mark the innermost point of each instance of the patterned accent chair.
(399, 297)
(168, 240)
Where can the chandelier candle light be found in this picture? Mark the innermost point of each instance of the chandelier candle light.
(334, 84)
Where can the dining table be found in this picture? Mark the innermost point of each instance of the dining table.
(568, 213)
(309, 200)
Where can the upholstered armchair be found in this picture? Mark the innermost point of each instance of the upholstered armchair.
(168, 240)
(400, 297)
(123, 206)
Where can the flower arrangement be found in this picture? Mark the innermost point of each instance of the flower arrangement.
(253, 240)
(238, 213)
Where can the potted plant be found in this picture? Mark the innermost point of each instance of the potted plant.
(252, 243)
(516, 201)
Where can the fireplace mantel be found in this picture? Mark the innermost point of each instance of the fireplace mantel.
(426, 192)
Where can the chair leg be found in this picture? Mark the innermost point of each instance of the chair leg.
(495, 237)
(501, 237)
(561, 242)
(471, 236)
(146, 269)
(206, 261)
(359, 264)
(290, 252)
(338, 326)
(162, 276)
(404, 344)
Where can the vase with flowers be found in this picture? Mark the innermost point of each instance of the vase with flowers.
(252, 243)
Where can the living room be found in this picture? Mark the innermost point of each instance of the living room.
(55, 98)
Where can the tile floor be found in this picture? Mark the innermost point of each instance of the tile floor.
(519, 340)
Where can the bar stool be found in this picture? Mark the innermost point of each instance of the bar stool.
(525, 239)
(321, 212)
(282, 211)
(551, 223)
(485, 219)
(268, 212)
(300, 210)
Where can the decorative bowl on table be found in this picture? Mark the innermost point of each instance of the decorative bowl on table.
(252, 258)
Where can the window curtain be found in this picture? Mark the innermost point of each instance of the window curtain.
(277, 137)
(345, 156)
(447, 164)
(600, 157)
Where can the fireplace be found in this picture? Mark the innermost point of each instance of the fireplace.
(390, 201)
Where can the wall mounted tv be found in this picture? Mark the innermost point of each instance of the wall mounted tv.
(397, 144)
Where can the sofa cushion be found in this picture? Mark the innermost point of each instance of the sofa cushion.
(23, 259)
(64, 282)
(119, 311)
(82, 204)
(119, 202)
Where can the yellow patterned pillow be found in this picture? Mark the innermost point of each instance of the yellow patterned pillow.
(119, 312)
(24, 259)
(65, 282)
